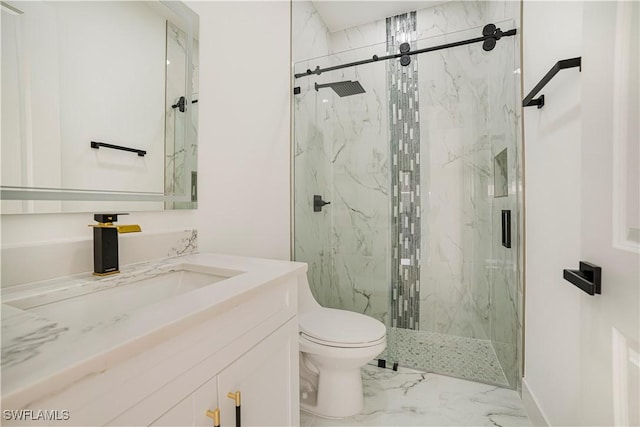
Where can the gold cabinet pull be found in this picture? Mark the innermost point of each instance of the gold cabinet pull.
(215, 414)
(236, 397)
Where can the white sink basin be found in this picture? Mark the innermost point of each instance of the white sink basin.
(116, 298)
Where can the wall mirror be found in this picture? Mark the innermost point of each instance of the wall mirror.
(99, 106)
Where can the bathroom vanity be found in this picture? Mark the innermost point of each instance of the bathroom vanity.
(161, 343)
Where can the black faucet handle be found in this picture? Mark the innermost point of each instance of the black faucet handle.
(107, 217)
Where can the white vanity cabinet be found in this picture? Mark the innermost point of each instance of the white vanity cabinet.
(263, 376)
(248, 343)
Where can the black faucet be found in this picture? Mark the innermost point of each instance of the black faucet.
(105, 242)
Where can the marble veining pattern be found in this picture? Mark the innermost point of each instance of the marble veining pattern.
(26, 335)
(181, 127)
(414, 398)
(470, 286)
(23, 334)
(51, 339)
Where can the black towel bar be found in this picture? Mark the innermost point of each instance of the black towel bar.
(95, 144)
(560, 65)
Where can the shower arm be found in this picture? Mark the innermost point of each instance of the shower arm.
(496, 35)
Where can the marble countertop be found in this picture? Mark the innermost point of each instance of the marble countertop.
(41, 354)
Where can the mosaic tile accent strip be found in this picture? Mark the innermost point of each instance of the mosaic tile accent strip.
(461, 357)
(404, 133)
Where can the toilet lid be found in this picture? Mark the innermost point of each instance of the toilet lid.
(341, 326)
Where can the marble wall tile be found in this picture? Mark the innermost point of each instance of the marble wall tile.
(312, 159)
(310, 34)
(506, 279)
(342, 144)
(357, 37)
(181, 128)
(469, 285)
(451, 17)
(453, 96)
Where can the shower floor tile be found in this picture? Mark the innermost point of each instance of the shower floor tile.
(413, 398)
(461, 357)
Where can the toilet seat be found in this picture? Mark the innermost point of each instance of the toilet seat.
(340, 328)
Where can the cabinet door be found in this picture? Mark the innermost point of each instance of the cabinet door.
(267, 378)
(179, 415)
(205, 399)
(192, 410)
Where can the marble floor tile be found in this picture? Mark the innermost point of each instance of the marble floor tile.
(414, 398)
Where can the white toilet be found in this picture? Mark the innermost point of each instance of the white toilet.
(334, 346)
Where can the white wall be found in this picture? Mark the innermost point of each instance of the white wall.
(244, 143)
(576, 362)
(552, 31)
(114, 94)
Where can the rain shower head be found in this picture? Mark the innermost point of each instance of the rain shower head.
(345, 88)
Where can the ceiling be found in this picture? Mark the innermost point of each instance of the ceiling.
(339, 14)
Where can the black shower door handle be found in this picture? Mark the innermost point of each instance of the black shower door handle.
(506, 228)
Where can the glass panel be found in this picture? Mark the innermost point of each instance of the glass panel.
(413, 232)
(341, 155)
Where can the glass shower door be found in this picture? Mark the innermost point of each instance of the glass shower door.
(341, 155)
(420, 171)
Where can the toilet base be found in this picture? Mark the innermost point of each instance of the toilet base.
(339, 394)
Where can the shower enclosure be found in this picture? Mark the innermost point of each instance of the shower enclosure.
(420, 164)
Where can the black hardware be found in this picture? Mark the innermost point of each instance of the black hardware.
(493, 33)
(318, 203)
(506, 228)
(181, 104)
(194, 186)
(236, 397)
(107, 217)
(395, 366)
(296, 90)
(343, 88)
(96, 144)
(105, 250)
(560, 65)
(488, 30)
(105, 244)
(588, 277)
(382, 363)
(405, 47)
(405, 60)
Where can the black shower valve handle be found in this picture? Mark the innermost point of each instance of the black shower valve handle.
(318, 203)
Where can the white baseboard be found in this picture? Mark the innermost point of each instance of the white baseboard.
(532, 407)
